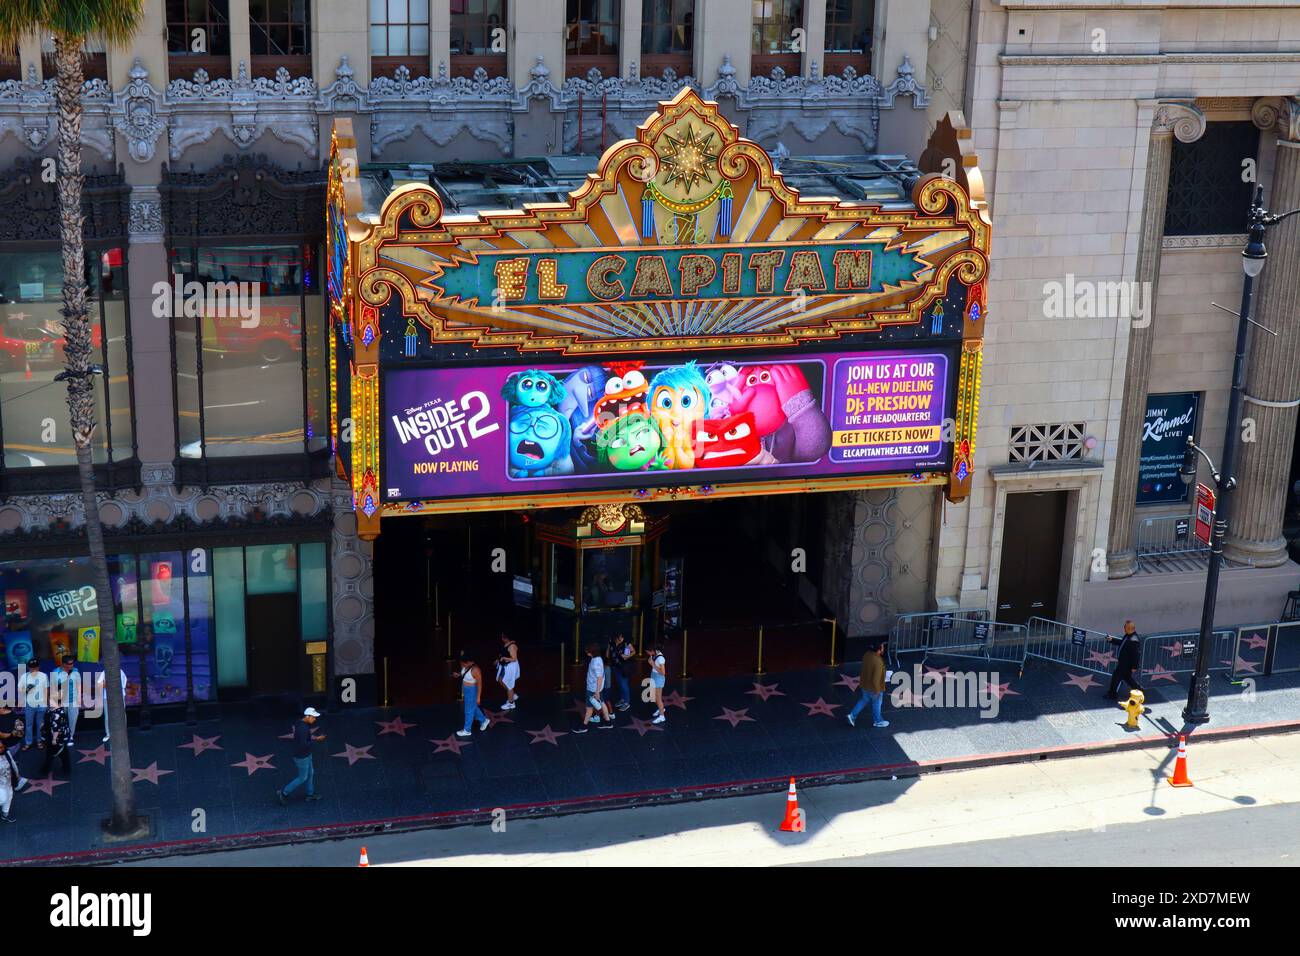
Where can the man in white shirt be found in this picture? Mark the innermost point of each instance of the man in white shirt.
(33, 694)
(595, 692)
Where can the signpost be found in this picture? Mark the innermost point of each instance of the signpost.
(1204, 512)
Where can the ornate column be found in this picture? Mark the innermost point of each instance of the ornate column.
(1272, 373)
(1171, 118)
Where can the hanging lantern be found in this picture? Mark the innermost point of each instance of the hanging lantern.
(412, 339)
(936, 319)
(648, 212)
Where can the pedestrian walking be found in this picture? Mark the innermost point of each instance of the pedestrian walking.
(65, 690)
(508, 670)
(658, 678)
(618, 657)
(871, 686)
(595, 692)
(11, 782)
(471, 681)
(1129, 659)
(302, 741)
(57, 737)
(34, 695)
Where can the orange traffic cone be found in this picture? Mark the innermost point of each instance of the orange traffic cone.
(1180, 778)
(365, 860)
(793, 822)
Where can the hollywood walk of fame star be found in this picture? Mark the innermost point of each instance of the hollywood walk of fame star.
(1256, 641)
(1081, 681)
(1245, 667)
(734, 717)
(200, 744)
(848, 681)
(99, 755)
(498, 717)
(643, 727)
(578, 708)
(1104, 658)
(451, 743)
(394, 726)
(353, 754)
(905, 698)
(544, 736)
(675, 699)
(253, 764)
(1159, 673)
(764, 691)
(820, 706)
(44, 785)
(1175, 649)
(1001, 690)
(149, 774)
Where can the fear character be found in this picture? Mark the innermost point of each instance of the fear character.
(678, 398)
(539, 442)
(788, 418)
(633, 443)
(582, 389)
(729, 443)
(724, 387)
(533, 389)
(624, 393)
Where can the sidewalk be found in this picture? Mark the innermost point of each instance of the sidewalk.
(722, 736)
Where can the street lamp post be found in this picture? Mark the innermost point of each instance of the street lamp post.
(1253, 258)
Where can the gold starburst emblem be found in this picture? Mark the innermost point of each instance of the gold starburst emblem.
(687, 159)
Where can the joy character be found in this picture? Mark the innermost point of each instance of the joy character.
(582, 389)
(789, 419)
(633, 443)
(724, 388)
(678, 398)
(533, 389)
(539, 442)
(729, 442)
(625, 391)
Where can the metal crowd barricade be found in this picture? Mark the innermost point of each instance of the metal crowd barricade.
(1286, 647)
(967, 634)
(1169, 537)
(1174, 653)
(1063, 643)
(911, 632)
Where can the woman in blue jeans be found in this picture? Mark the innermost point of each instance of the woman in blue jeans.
(471, 682)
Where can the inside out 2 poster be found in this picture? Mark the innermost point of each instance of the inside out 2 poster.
(517, 429)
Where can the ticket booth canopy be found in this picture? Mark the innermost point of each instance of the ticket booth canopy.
(681, 322)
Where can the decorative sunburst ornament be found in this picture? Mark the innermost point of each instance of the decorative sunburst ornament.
(687, 159)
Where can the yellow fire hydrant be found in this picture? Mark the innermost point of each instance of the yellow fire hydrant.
(1135, 708)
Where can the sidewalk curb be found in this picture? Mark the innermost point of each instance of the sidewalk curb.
(622, 801)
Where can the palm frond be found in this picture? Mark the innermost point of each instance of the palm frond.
(116, 21)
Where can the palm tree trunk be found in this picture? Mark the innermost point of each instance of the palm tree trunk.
(81, 407)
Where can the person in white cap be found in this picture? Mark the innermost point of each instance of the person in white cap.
(302, 741)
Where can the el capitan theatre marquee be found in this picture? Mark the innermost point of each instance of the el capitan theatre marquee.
(684, 325)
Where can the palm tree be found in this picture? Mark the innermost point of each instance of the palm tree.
(71, 22)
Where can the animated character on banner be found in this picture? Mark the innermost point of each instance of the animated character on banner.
(724, 384)
(533, 389)
(582, 390)
(729, 443)
(624, 393)
(679, 397)
(539, 442)
(632, 443)
(790, 422)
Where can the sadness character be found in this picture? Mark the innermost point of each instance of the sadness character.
(678, 398)
(539, 443)
(633, 443)
(533, 389)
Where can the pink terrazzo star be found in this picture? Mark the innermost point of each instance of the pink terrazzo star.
(498, 717)
(820, 706)
(1159, 673)
(149, 774)
(734, 717)
(1245, 667)
(353, 754)
(1001, 690)
(1174, 650)
(764, 691)
(253, 764)
(643, 727)
(675, 699)
(544, 736)
(200, 744)
(937, 670)
(1104, 658)
(848, 681)
(1081, 681)
(44, 785)
(99, 755)
(1256, 641)
(394, 726)
(450, 744)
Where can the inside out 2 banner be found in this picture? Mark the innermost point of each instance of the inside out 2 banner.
(516, 429)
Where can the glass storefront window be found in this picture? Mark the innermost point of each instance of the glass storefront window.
(564, 571)
(314, 592)
(33, 406)
(228, 602)
(607, 578)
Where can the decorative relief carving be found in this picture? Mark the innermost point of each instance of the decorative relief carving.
(1280, 114)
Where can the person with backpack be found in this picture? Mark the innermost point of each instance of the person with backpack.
(471, 682)
(618, 657)
(658, 677)
(595, 692)
(508, 670)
